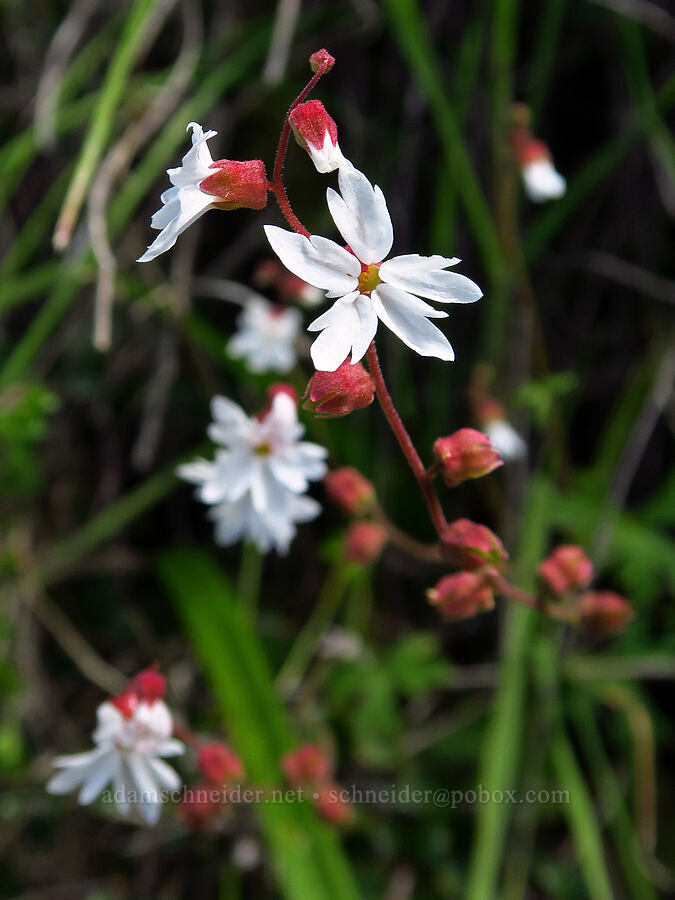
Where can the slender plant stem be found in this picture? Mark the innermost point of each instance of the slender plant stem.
(405, 443)
(277, 184)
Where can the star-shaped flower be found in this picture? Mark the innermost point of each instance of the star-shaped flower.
(266, 336)
(255, 485)
(131, 736)
(368, 288)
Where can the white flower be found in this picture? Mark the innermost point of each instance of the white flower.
(369, 289)
(255, 485)
(542, 181)
(127, 753)
(266, 337)
(183, 203)
(200, 183)
(505, 439)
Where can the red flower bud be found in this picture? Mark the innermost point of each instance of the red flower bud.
(349, 490)
(200, 805)
(306, 765)
(316, 133)
(126, 703)
(472, 546)
(333, 394)
(149, 685)
(218, 764)
(605, 612)
(567, 568)
(282, 388)
(462, 595)
(237, 184)
(364, 542)
(321, 59)
(465, 454)
(333, 805)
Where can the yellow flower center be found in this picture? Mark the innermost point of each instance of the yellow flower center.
(262, 450)
(369, 278)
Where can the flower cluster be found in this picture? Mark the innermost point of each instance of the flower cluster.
(256, 483)
(132, 737)
(309, 767)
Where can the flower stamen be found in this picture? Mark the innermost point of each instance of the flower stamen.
(369, 278)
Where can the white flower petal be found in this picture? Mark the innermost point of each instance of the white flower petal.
(414, 329)
(327, 158)
(366, 328)
(317, 261)
(361, 215)
(97, 778)
(143, 776)
(334, 314)
(428, 279)
(332, 346)
(165, 775)
(542, 181)
(191, 204)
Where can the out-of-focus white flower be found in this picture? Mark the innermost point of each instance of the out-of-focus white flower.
(256, 484)
(266, 336)
(198, 184)
(505, 440)
(543, 181)
(369, 289)
(338, 643)
(130, 738)
(317, 133)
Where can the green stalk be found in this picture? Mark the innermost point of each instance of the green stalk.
(306, 854)
(582, 820)
(412, 35)
(500, 755)
(551, 13)
(103, 120)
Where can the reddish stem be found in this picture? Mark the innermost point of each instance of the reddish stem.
(405, 443)
(277, 185)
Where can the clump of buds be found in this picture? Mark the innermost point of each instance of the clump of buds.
(308, 764)
(465, 454)
(350, 491)
(471, 546)
(149, 685)
(237, 185)
(271, 274)
(605, 612)
(364, 542)
(218, 764)
(333, 804)
(566, 569)
(316, 132)
(462, 595)
(334, 394)
(200, 805)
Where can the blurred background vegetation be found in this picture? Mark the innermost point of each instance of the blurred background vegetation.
(108, 563)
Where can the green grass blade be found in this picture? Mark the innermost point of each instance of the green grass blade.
(582, 820)
(103, 120)
(305, 851)
(501, 748)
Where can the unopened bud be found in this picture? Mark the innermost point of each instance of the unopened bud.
(605, 612)
(471, 546)
(333, 394)
(236, 184)
(282, 388)
(566, 569)
(308, 764)
(126, 702)
(364, 542)
(316, 133)
(350, 491)
(333, 804)
(462, 595)
(541, 179)
(149, 685)
(200, 805)
(218, 764)
(465, 454)
(321, 59)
